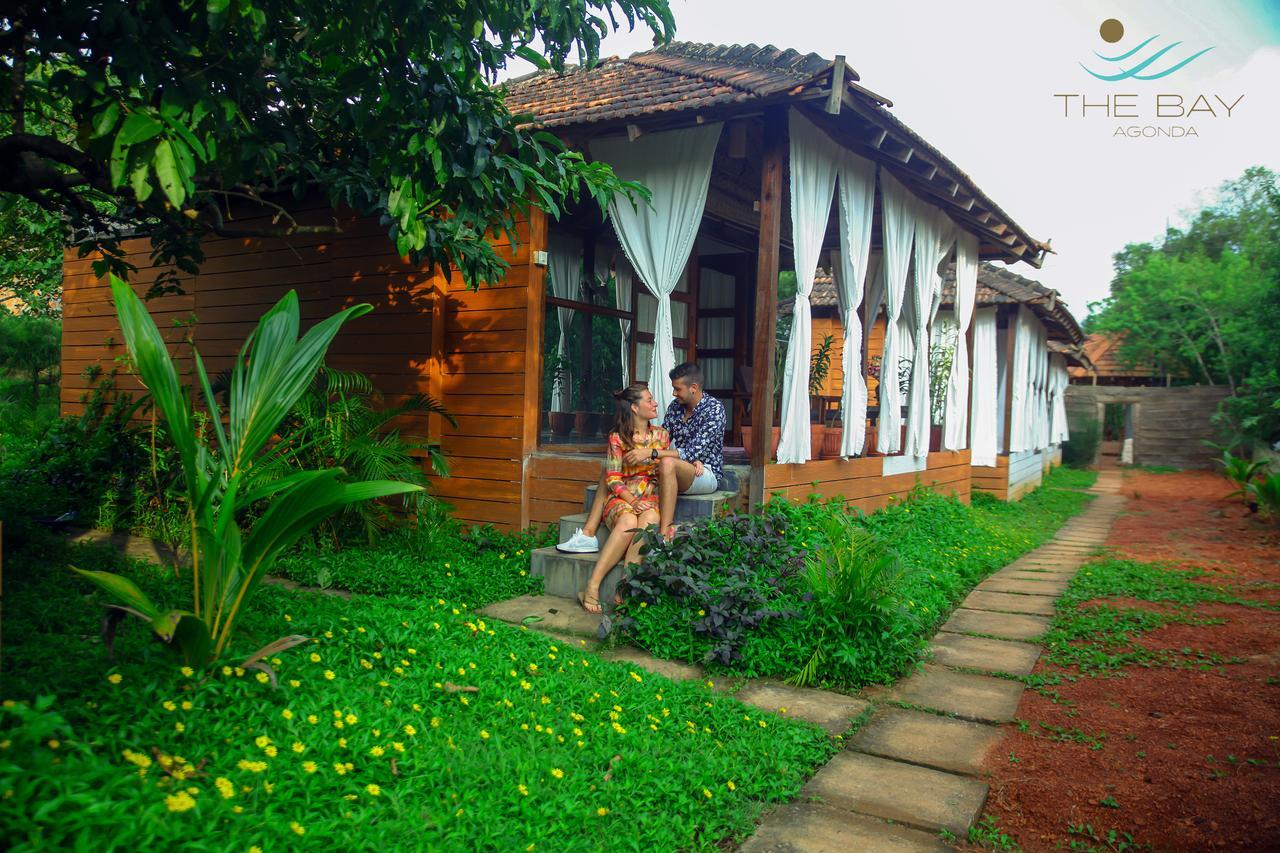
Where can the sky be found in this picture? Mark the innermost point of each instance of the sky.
(978, 80)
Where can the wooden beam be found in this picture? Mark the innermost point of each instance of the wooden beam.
(835, 96)
(532, 407)
(879, 137)
(771, 169)
(737, 140)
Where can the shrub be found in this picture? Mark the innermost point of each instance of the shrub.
(1081, 449)
(1265, 493)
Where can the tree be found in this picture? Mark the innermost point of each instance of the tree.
(157, 116)
(31, 258)
(30, 346)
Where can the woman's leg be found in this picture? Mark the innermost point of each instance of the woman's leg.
(648, 518)
(620, 536)
(596, 513)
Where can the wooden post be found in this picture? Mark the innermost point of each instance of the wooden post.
(531, 423)
(1009, 332)
(775, 145)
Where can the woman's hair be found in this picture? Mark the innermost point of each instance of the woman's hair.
(623, 419)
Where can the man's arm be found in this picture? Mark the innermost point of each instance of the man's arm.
(709, 429)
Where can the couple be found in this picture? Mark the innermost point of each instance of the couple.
(647, 467)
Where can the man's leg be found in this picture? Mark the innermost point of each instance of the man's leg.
(674, 476)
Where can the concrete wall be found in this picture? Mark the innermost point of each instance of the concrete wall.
(1170, 425)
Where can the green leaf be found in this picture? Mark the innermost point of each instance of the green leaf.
(138, 179)
(125, 590)
(533, 57)
(105, 121)
(217, 7)
(138, 127)
(167, 171)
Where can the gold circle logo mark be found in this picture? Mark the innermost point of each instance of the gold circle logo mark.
(1111, 31)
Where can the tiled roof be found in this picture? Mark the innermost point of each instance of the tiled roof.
(1076, 357)
(1103, 352)
(679, 76)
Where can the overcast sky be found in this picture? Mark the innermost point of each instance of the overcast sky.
(978, 80)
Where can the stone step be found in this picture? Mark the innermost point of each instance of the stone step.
(956, 746)
(834, 712)
(570, 523)
(566, 574)
(547, 613)
(818, 828)
(980, 698)
(688, 507)
(1011, 626)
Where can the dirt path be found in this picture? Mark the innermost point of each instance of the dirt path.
(1170, 758)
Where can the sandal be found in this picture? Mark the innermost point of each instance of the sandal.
(591, 605)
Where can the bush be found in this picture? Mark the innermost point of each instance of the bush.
(749, 609)
(1081, 449)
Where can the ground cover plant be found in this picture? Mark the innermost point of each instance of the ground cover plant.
(409, 720)
(735, 595)
(434, 556)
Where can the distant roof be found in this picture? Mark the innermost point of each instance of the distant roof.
(674, 82)
(1103, 351)
(996, 286)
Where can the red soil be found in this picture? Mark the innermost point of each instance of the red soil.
(1191, 757)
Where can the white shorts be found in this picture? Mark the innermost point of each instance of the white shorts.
(703, 484)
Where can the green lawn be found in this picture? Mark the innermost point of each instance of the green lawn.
(374, 737)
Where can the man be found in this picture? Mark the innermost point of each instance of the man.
(693, 466)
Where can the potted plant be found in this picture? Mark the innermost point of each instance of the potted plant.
(556, 378)
(819, 369)
(585, 421)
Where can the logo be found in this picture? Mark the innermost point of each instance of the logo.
(1158, 60)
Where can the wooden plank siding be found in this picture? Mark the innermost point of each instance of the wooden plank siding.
(1014, 476)
(993, 480)
(557, 483)
(428, 334)
(861, 483)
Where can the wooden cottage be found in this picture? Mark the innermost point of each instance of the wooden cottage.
(759, 160)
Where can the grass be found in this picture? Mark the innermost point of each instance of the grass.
(409, 720)
(1063, 477)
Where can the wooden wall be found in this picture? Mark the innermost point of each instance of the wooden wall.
(1171, 425)
(993, 480)
(557, 482)
(861, 483)
(476, 351)
(1013, 476)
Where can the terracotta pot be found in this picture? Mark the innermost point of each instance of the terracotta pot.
(935, 439)
(561, 423)
(816, 433)
(746, 441)
(830, 448)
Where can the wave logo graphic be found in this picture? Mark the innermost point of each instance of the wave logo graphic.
(1151, 66)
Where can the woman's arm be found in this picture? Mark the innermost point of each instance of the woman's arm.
(613, 470)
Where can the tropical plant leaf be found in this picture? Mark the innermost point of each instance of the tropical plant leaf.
(124, 590)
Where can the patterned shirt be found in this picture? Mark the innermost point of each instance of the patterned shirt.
(701, 437)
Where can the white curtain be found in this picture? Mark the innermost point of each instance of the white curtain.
(622, 273)
(983, 419)
(849, 267)
(899, 224)
(1060, 432)
(934, 233)
(1019, 386)
(814, 158)
(956, 417)
(1043, 413)
(564, 268)
(676, 167)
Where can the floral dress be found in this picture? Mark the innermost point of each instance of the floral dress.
(640, 480)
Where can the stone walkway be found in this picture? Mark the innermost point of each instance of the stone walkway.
(914, 768)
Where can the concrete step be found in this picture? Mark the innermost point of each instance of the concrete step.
(570, 523)
(688, 507)
(567, 574)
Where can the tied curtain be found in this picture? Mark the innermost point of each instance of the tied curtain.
(857, 190)
(983, 417)
(622, 301)
(1043, 401)
(899, 214)
(934, 234)
(814, 158)
(1020, 383)
(564, 265)
(1059, 432)
(658, 235)
(956, 418)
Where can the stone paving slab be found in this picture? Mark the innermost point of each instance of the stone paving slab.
(1033, 575)
(1011, 626)
(817, 828)
(834, 712)
(974, 697)
(1008, 602)
(1035, 586)
(957, 746)
(671, 669)
(917, 796)
(561, 615)
(984, 653)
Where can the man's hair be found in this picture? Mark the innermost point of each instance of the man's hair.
(689, 372)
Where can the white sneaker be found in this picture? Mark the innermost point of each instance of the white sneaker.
(579, 543)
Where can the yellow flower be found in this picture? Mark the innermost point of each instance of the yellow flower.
(315, 658)
(731, 786)
(411, 731)
(342, 743)
(706, 793)
(271, 751)
(374, 790)
(187, 706)
(262, 678)
(366, 664)
(255, 849)
(340, 768)
(180, 802)
(168, 705)
(352, 719)
(252, 766)
(328, 675)
(238, 809)
(484, 735)
(377, 751)
(309, 766)
(179, 728)
(287, 714)
(293, 682)
(602, 811)
(187, 671)
(412, 651)
(262, 741)
(115, 678)
(557, 772)
(524, 792)
(298, 828)
(312, 719)
(298, 747)
(137, 758)
(225, 788)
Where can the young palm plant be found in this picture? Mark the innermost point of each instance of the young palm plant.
(1241, 471)
(235, 469)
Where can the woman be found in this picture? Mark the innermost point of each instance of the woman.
(633, 489)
